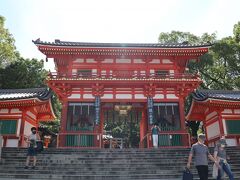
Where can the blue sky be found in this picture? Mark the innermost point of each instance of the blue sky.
(113, 20)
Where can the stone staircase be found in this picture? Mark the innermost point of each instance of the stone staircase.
(114, 164)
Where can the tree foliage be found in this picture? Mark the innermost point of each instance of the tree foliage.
(23, 73)
(8, 51)
(17, 72)
(219, 68)
(29, 73)
(185, 37)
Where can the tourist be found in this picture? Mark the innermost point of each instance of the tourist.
(201, 154)
(221, 156)
(155, 131)
(32, 147)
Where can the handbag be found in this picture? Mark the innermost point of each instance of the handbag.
(187, 175)
(39, 146)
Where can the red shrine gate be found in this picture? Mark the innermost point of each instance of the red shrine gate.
(100, 83)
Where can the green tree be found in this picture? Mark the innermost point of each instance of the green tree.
(29, 73)
(23, 73)
(185, 37)
(219, 69)
(8, 51)
(17, 72)
(236, 32)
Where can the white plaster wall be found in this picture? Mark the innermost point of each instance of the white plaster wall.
(79, 60)
(107, 96)
(166, 61)
(29, 113)
(12, 143)
(231, 142)
(3, 110)
(155, 61)
(158, 96)
(107, 61)
(88, 96)
(212, 114)
(227, 111)
(237, 111)
(123, 60)
(171, 96)
(123, 96)
(90, 60)
(139, 96)
(213, 130)
(74, 71)
(75, 96)
(15, 111)
(138, 61)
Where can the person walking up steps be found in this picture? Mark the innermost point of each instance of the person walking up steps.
(201, 154)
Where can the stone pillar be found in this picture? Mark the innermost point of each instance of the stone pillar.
(97, 109)
(150, 110)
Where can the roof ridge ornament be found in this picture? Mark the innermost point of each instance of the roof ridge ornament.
(57, 41)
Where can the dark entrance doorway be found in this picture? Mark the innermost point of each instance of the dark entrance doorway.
(122, 125)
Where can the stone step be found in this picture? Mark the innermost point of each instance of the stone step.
(96, 177)
(105, 164)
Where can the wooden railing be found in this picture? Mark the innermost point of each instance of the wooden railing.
(79, 140)
(167, 139)
(122, 75)
(144, 143)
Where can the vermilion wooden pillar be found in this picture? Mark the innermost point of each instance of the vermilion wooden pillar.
(185, 139)
(143, 124)
(181, 112)
(63, 122)
(101, 121)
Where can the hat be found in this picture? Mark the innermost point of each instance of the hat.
(202, 136)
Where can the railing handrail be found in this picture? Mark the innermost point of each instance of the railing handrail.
(166, 133)
(141, 142)
(65, 134)
(129, 74)
(79, 133)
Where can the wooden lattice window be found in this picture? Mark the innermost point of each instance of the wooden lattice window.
(162, 73)
(233, 126)
(8, 127)
(84, 72)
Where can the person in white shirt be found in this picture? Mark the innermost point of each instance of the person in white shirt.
(32, 147)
